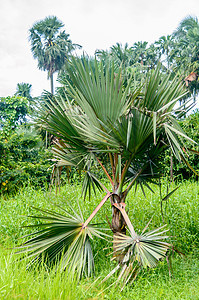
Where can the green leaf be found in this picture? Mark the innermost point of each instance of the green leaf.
(138, 251)
(63, 239)
(154, 126)
(169, 194)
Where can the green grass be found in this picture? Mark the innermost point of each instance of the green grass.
(17, 283)
(180, 213)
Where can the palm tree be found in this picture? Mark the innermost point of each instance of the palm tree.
(23, 90)
(50, 46)
(124, 131)
(140, 49)
(186, 25)
(122, 55)
(117, 53)
(165, 45)
(187, 51)
(152, 56)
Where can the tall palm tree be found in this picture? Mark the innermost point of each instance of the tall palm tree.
(124, 130)
(123, 55)
(50, 46)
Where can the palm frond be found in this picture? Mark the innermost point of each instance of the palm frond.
(137, 251)
(62, 238)
(90, 181)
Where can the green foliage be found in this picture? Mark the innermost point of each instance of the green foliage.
(23, 90)
(13, 111)
(179, 211)
(23, 159)
(39, 283)
(190, 125)
(178, 54)
(186, 51)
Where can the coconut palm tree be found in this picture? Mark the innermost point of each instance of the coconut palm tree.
(50, 46)
(101, 122)
(152, 56)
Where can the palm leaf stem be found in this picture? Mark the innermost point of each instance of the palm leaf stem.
(112, 165)
(108, 195)
(131, 183)
(124, 171)
(105, 171)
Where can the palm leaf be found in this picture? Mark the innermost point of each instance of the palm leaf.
(138, 251)
(62, 239)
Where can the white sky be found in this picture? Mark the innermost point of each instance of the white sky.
(94, 24)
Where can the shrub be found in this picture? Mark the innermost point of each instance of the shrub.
(23, 159)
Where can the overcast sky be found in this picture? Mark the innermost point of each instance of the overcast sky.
(94, 24)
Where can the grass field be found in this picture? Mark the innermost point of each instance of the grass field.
(180, 213)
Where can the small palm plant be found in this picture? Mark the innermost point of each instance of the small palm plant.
(103, 120)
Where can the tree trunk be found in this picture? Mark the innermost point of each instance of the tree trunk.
(51, 83)
(118, 225)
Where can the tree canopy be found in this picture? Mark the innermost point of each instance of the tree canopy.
(50, 45)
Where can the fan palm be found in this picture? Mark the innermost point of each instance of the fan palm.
(124, 130)
(50, 46)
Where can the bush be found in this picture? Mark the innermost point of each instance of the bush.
(23, 159)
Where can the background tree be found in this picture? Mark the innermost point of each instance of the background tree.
(24, 90)
(23, 158)
(50, 45)
(140, 52)
(117, 53)
(13, 111)
(165, 45)
(187, 52)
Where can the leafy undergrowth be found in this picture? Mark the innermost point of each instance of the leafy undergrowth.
(180, 213)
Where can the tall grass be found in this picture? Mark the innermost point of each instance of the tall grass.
(180, 213)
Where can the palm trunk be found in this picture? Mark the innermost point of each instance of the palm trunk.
(51, 83)
(118, 224)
